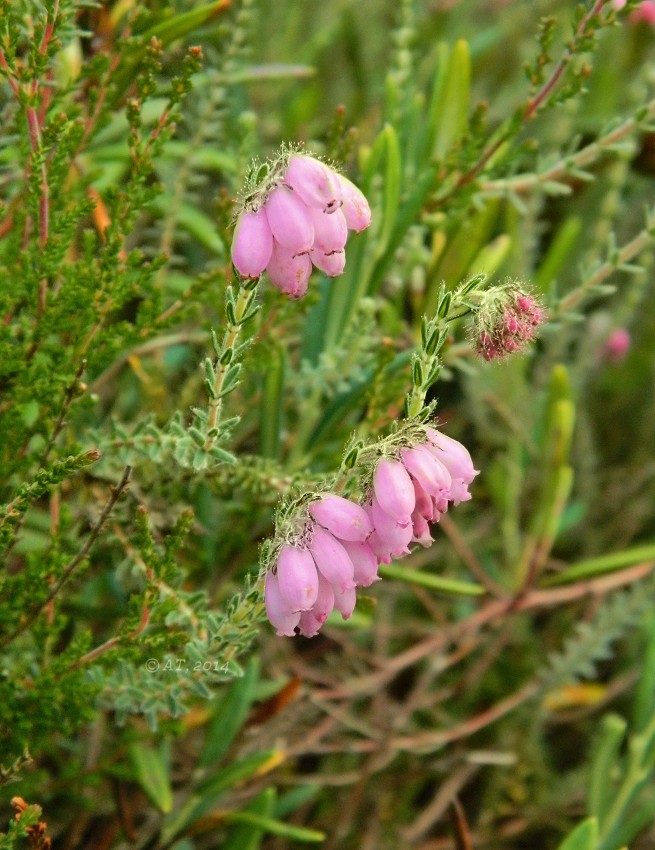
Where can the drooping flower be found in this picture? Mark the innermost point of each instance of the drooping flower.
(289, 220)
(289, 272)
(346, 520)
(277, 610)
(393, 489)
(316, 183)
(297, 578)
(252, 245)
(355, 206)
(332, 559)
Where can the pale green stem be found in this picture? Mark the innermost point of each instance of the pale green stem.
(231, 335)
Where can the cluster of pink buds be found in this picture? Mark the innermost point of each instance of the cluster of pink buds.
(345, 543)
(299, 215)
(506, 321)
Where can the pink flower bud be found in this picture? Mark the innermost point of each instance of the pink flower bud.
(430, 473)
(394, 490)
(396, 536)
(345, 519)
(355, 206)
(252, 244)
(289, 220)
(289, 272)
(364, 562)
(277, 610)
(344, 601)
(330, 231)
(332, 559)
(330, 264)
(297, 578)
(316, 183)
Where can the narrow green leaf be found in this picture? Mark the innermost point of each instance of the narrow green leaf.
(583, 837)
(246, 835)
(604, 759)
(229, 715)
(211, 790)
(452, 104)
(276, 827)
(151, 769)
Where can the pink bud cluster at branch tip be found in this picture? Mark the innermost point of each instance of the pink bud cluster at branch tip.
(344, 543)
(299, 217)
(506, 321)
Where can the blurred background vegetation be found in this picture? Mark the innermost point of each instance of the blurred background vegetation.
(514, 712)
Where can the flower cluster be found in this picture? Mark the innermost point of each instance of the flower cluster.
(343, 543)
(506, 321)
(300, 215)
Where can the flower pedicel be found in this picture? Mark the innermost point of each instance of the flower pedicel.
(295, 215)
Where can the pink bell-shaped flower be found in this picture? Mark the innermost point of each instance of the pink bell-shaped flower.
(344, 601)
(332, 559)
(297, 578)
(395, 535)
(252, 244)
(289, 220)
(345, 519)
(331, 265)
(428, 471)
(283, 619)
(289, 272)
(364, 562)
(355, 206)
(394, 490)
(316, 183)
(330, 231)
(457, 460)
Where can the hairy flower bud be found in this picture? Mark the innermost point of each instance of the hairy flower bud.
(506, 320)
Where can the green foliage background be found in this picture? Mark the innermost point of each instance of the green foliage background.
(496, 690)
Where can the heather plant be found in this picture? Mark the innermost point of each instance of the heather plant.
(326, 424)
